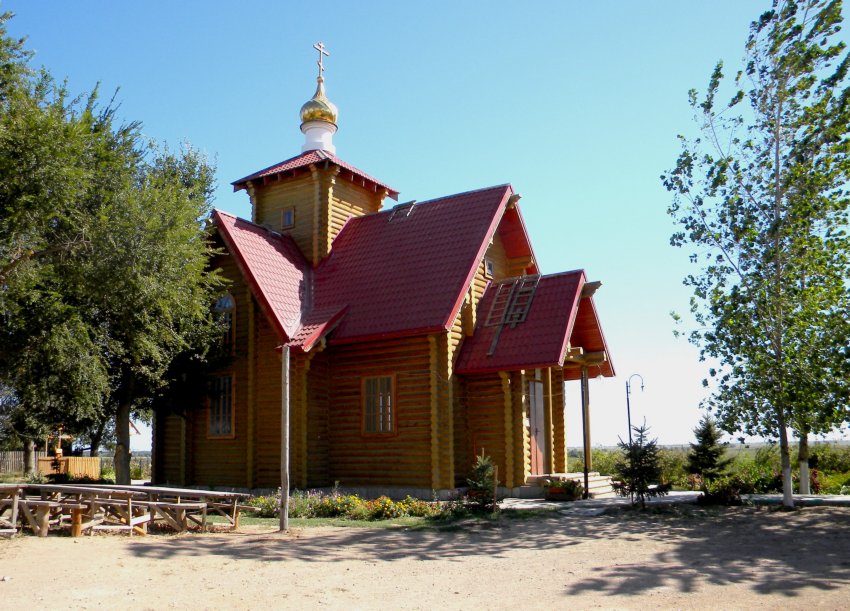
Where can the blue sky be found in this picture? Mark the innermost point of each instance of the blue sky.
(576, 104)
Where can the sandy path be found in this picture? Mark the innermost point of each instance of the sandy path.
(739, 558)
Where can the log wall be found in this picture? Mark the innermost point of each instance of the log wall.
(399, 459)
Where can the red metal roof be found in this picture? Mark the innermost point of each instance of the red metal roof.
(306, 159)
(408, 275)
(405, 271)
(274, 267)
(541, 339)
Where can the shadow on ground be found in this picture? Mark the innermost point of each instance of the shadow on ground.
(766, 551)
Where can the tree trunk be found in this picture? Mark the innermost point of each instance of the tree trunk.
(803, 461)
(122, 445)
(97, 438)
(29, 457)
(785, 455)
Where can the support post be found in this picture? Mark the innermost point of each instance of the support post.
(585, 421)
(284, 438)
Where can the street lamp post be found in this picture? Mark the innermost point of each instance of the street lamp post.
(628, 404)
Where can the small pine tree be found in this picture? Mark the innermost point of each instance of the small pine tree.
(482, 484)
(640, 467)
(706, 455)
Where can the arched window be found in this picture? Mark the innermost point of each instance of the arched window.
(226, 308)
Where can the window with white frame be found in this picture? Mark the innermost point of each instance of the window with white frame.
(379, 404)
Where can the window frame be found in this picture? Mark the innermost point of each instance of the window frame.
(283, 224)
(489, 267)
(228, 340)
(393, 407)
(211, 399)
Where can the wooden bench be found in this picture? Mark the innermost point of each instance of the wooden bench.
(178, 514)
(122, 513)
(46, 510)
(10, 495)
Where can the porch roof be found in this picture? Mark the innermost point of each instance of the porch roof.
(559, 317)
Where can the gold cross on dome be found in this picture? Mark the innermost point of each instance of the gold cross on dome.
(320, 47)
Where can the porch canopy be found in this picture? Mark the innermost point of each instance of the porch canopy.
(536, 322)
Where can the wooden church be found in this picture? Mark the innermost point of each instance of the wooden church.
(416, 336)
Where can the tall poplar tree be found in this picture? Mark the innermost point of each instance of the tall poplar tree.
(761, 198)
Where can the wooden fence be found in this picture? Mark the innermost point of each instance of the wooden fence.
(13, 461)
(72, 465)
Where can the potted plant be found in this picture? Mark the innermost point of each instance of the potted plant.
(562, 489)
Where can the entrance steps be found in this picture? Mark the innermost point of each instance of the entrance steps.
(599, 486)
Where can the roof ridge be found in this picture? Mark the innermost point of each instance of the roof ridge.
(436, 200)
(470, 192)
(274, 165)
(567, 273)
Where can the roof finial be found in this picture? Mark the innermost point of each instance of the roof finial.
(319, 114)
(320, 47)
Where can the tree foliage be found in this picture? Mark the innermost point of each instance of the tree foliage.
(103, 256)
(761, 198)
(705, 457)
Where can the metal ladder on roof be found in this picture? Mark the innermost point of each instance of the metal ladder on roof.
(510, 305)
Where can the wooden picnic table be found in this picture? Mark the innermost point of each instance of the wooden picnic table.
(10, 495)
(89, 507)
(108, 507)
(178, 506)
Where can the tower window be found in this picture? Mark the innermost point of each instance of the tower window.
(287, 218)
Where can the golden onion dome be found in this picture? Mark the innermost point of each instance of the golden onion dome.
(319, 107)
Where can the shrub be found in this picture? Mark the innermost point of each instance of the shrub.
(830, 458)
(725, 490)
(831, 483)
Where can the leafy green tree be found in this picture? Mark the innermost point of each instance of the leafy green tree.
(705, 457)
(762, 200)
(103, 256)
(51, 156)
(640, 467)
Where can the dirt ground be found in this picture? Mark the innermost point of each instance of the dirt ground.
(692, 558)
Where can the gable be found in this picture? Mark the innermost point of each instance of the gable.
(407, 274)
(274, 268)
